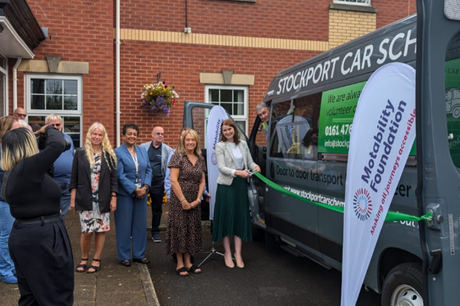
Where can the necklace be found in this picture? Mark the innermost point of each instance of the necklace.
(132, 151)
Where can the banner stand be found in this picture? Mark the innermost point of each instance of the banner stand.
(212, 252)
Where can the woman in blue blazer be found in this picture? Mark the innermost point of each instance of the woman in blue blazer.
(134, 176)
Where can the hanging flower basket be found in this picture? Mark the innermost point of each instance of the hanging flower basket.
(158, 98)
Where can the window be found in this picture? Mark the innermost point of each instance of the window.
(61, 95)
(354, 2)
(3, 86)
(234, 99)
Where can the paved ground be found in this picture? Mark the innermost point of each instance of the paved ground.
(113, 285)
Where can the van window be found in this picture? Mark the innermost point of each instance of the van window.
(452, 85)
(294, 131)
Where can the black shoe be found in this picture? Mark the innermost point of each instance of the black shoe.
(126, 263)
(142, 260)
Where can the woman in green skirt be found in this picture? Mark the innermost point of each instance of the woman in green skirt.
(231, 213)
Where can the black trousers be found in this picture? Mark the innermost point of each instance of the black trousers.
(43, 259)
(156, 194)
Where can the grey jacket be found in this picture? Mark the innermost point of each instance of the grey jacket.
(226, 161)
(165, 151)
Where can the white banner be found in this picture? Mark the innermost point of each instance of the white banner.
(215, 119)
(380, 142)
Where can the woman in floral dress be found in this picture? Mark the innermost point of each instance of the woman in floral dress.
(183, 236)
(94, 188)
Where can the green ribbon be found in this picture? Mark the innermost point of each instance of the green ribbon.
(391, 215)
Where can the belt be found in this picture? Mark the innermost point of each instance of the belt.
(40, 220)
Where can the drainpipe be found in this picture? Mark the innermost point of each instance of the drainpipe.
(117, 73)
(15, 82)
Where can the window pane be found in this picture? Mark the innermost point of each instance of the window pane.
(238, 109)
(37, 102)
(226, 95)
(54, 87)
(242, 127)
(72, 128)
(227, 107)
(239, 96)
(70, 87)
(37, 86)
(214, 95)
(70, 103)
(54, 102)
(36, 122)
(2, 62)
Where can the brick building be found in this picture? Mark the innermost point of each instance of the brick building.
(61, 56)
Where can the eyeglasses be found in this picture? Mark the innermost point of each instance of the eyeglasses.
(160, 134)
(56, 124)
(22, 115)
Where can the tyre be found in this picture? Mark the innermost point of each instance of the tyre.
(403, 286)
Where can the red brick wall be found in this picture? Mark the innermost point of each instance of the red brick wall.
(82, 31)
(182, 65)
(390, 11)
(288, 19)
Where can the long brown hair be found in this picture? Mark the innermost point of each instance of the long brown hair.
(6, 122)
(229, 122)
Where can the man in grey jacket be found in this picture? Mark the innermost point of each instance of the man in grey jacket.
(158, 153)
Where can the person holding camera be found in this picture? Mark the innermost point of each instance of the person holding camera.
(62, 168)
(134, 176)
(39, 244)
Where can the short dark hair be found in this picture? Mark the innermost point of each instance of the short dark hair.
(229, 122)
(130, 126)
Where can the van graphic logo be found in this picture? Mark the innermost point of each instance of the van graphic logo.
(213, 158)
(362, 204)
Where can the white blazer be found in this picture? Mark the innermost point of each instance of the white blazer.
(226, 161)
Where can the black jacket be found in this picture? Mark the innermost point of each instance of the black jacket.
(81, 180)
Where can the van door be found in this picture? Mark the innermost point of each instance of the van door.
(196, 117)
(292, 164)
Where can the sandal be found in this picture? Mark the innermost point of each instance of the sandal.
(182, 270)
(193, 269)
(95, 268)
(77, 269)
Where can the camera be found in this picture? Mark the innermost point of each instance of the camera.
(43, 142)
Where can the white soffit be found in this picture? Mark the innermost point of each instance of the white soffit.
(11, 44)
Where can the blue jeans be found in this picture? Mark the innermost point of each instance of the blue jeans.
(6, 223)
(65, 198)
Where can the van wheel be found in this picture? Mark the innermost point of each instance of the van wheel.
(403, 286)
(271, 242)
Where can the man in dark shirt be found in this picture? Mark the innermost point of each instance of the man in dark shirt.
(158, 155)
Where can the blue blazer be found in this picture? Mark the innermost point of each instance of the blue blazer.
(126, 169)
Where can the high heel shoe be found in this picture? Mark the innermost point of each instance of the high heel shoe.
(229, 263)
(239, 261)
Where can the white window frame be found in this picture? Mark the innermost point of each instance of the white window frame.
(354, 2)
(245, 89)
(63, 113)
(5, 73)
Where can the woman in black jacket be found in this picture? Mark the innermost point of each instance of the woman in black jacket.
(39, 244)
(93, 189)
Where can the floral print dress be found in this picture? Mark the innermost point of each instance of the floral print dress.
(93, 220)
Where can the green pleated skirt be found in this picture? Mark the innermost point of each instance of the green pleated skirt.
(231, 212)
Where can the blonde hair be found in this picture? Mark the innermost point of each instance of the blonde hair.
(17, 144)
(6, 122)
(106, 147)
(182, 149)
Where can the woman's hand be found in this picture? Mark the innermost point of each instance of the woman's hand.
(256, 169)
(186, 205)
(72, 204)
(113, 204)
(242, 173)
(141, 192)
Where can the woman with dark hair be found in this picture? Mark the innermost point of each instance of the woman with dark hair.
(231, 213)
(39, 244)
(134, 176)
(93, 189)
(7, 271)
(309, 145)
(183, 236)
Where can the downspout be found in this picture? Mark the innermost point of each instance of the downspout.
(117, 73)
(15, 82)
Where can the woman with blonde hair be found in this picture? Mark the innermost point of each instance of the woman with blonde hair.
(39, 244)
(94, 171)
(7, 271)
(183, 236)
